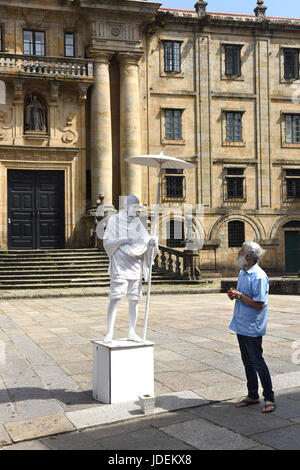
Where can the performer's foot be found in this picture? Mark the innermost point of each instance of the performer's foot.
(107, 339)
(135, 337)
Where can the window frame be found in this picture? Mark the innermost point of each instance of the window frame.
(296, 62)
(161, 44)
(177, 242)
(237, 174)
(233, 69)
(164, 135)
(239, 242)
(289, 178)
(73, 46)
(174, 60)
(168, 176)
(223, 66)
(34, 31)
(292, 131)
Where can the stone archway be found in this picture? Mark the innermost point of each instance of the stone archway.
(255, 224)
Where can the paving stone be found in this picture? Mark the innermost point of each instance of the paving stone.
(4, 437)
(287, 438)
(245, 421)
(42, 426)
(27, 445)
(149, 439)
(71, 441)
(207, 436)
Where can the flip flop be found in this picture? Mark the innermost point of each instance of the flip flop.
(245, 402)
(269, 405)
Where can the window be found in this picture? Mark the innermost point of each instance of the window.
(236, 233)
(172, 56)
(235, 184)
(292, 181)
(233, 60)
(0, 38)
(292, 128)
(175, 233)
(291, 63)
(233, 127)
(34, 42)
(173, 184)
(69, 45)
(173, 124)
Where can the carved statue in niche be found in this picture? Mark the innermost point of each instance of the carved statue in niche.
(35, 116)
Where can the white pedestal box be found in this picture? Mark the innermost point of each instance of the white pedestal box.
(123, 370)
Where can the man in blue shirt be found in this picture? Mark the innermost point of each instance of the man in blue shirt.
(249, 323)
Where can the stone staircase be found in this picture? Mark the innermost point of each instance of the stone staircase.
(36, 269)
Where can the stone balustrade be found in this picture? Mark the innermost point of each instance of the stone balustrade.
(178, 264)
(49, 67)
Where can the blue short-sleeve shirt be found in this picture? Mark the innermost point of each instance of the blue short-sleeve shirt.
(249, 321)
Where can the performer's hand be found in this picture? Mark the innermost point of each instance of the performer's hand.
(153, 241)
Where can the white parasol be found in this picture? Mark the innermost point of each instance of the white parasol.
(161, 162)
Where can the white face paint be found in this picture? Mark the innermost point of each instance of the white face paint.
(133, 209)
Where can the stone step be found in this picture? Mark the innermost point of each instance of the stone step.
(37, 277)
(54, 262)
(17, 259)
(59, 251)
(76, 283)
(45, 269)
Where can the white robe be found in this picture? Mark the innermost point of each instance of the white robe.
(129, 261)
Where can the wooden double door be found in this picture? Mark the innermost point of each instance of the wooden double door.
(36, 216)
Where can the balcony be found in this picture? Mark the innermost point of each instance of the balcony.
(59, 68)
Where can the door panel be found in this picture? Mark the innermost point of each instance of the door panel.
(35, 209)
(292, 251)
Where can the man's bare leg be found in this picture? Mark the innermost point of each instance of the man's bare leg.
(111, 317)
(132, 315)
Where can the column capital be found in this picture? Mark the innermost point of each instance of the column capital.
(129, 58)
(100, 56)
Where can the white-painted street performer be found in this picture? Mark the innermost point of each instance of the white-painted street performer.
(128, 245)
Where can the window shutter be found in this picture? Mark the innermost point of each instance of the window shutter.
(236, 58)
(176, 57)
(229, 127)
(296, 129)
(237, 127)
(167, 56)
(288, 129)
(177, 124)
(228, 60)
(169, 123)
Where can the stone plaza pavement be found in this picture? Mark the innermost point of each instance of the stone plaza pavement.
(46, 377)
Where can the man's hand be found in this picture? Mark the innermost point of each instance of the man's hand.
(232, 293)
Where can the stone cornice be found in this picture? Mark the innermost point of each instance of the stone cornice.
(218, 19)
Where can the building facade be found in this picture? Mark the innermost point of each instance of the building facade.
(84, 84)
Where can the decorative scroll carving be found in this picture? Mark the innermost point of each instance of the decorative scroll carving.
(70, 134)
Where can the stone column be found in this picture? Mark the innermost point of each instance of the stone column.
(101, 138)
(130, 132)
